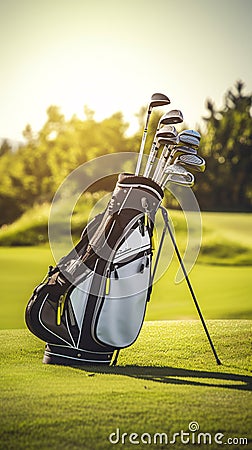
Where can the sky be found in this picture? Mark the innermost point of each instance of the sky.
(112, 55)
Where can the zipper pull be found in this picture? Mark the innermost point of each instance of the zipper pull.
(116, 272)
(153, 242)
(59, 312)
(145, 206)
(141, 270)
(60, 308)
(107, 287)
(147, 262)
(141, 226)
(62, 304)
(146, 221)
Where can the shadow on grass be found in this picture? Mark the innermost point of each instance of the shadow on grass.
(178, 376)
(243, 315)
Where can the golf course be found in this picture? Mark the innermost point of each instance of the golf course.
(125, 225)
(167, 388)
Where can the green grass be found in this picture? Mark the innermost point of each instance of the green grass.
(32, 227)
(165, 381)
(20, 270)
(227, 238)
(235, 226)
(223, 292)
(29, 229)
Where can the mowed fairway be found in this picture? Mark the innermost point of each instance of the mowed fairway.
(167, 382)
(222, 291)
(21, 269)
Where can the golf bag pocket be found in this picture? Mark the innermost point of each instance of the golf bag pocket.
(42, 313)
(121, 315)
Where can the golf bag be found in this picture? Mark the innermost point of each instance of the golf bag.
(93, 302)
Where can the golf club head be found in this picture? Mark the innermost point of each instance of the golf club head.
(193, 162)
(187, 139)
(192, 133)
(173, 116)
(177, 169)
(167, 141)
(158, 99)
(181, 180)
(183, 150)
(168, 131)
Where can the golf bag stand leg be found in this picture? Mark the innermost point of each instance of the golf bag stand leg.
(166, 220)
(115, 359)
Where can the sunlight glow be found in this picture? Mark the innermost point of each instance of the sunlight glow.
(114, 59)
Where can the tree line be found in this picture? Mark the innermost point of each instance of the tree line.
(32, 173)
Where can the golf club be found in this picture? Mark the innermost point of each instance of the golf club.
(179, 179)
(167, 158)
(152, 156)
(157, 99)
(189, 140)
(176, 168)
(193, 162)
(162, 162)
(167, 131)
(192, 133)
(173, 116)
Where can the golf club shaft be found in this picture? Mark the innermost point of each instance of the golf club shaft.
(166, 219)
(151, 159)
(153, 152)
(140, 156)
(157, 99)
(161, 163)
(161, 178)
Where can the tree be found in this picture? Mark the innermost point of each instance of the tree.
(227, 148)
(5, 147)
(35, 170)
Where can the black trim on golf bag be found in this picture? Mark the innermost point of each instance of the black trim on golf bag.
(93, 301)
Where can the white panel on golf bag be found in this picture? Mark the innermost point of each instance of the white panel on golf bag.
(122, 313)
(134, 243)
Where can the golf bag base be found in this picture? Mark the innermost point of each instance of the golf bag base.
(66, 356)
(93, 301)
